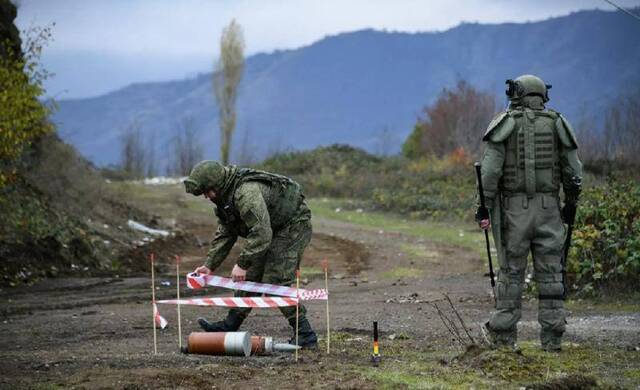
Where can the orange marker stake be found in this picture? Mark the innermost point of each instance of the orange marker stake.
(325, 265)
(153, 301)
(375, 358)
(178, 294)
(297, 308)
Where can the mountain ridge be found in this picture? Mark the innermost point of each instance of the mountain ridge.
(350, 87)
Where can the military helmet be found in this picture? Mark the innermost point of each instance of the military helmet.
(206, 175)
(527, 85)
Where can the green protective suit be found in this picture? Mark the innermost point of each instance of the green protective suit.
(530, 154)
(269, 211)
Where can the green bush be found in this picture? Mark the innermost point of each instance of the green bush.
(437, 188)
(606, 241)
(23, 117)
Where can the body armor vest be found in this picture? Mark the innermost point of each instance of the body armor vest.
(283, 198)
(532, 160)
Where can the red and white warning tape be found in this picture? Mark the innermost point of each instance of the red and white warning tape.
(160, 320)
(196, 281)
(235, 301)
(287, 296)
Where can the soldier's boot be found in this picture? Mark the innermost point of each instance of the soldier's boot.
(551, 313)
(230, 324)
(306, 336)
(502, 339)
(551, 341)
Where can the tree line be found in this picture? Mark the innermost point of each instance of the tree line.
(455, 123)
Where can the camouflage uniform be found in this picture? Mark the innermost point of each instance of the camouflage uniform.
(530, 152)
(270, 212)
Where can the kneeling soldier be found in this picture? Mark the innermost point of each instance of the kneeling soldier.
(270, 212)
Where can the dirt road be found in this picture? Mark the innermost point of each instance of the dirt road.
(97, 332)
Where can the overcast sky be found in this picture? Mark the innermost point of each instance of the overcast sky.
(102, 45)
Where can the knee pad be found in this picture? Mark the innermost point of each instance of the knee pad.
(550, 287)
(509, 293)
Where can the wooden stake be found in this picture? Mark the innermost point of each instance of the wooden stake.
(325, 265)
(153, 301)
(297, 309)
(178, 294)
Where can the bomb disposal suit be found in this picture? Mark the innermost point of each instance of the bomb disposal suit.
(530, 153)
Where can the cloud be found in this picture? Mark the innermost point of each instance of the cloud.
(191, 28)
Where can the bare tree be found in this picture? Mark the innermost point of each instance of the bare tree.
(384, 142)
(455, 122)
(276, 146)
(623, 122)
(247, 150)
(133, 159)
(188, 152)
(476, 109)
(593, 151)
(226, 79)
(150, 156)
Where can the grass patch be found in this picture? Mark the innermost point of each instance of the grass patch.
(464, 235)
(437, 369)
(169, 200)
(420, 253)
(403, 272)
(608, 305)
(633, 374)
(311, 272)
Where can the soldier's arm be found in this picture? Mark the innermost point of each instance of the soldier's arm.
(492, 161)
(570, 164)
(254, 213)
(220, 246)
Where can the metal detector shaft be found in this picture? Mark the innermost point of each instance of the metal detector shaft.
(565, 255)
(485, 212)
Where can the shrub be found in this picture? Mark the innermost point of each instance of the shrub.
(23, 118)
(456, 120)
(430, 187)
(606, 241)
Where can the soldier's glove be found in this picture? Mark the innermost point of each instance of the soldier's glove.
(482, 213)
(569, 213)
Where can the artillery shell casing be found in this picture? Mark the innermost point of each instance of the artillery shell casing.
(220, 343)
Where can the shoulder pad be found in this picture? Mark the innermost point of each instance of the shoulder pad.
(565, 132)
(499, 128)
(552, 113)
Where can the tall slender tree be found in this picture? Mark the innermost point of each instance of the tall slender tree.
(226, 80)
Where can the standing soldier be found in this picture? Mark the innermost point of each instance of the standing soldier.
(270, 212)
(530, 152)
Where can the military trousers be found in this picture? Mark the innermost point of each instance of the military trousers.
(531, 225)
(279, 265)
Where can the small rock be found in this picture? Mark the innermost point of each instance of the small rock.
(392, 336)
